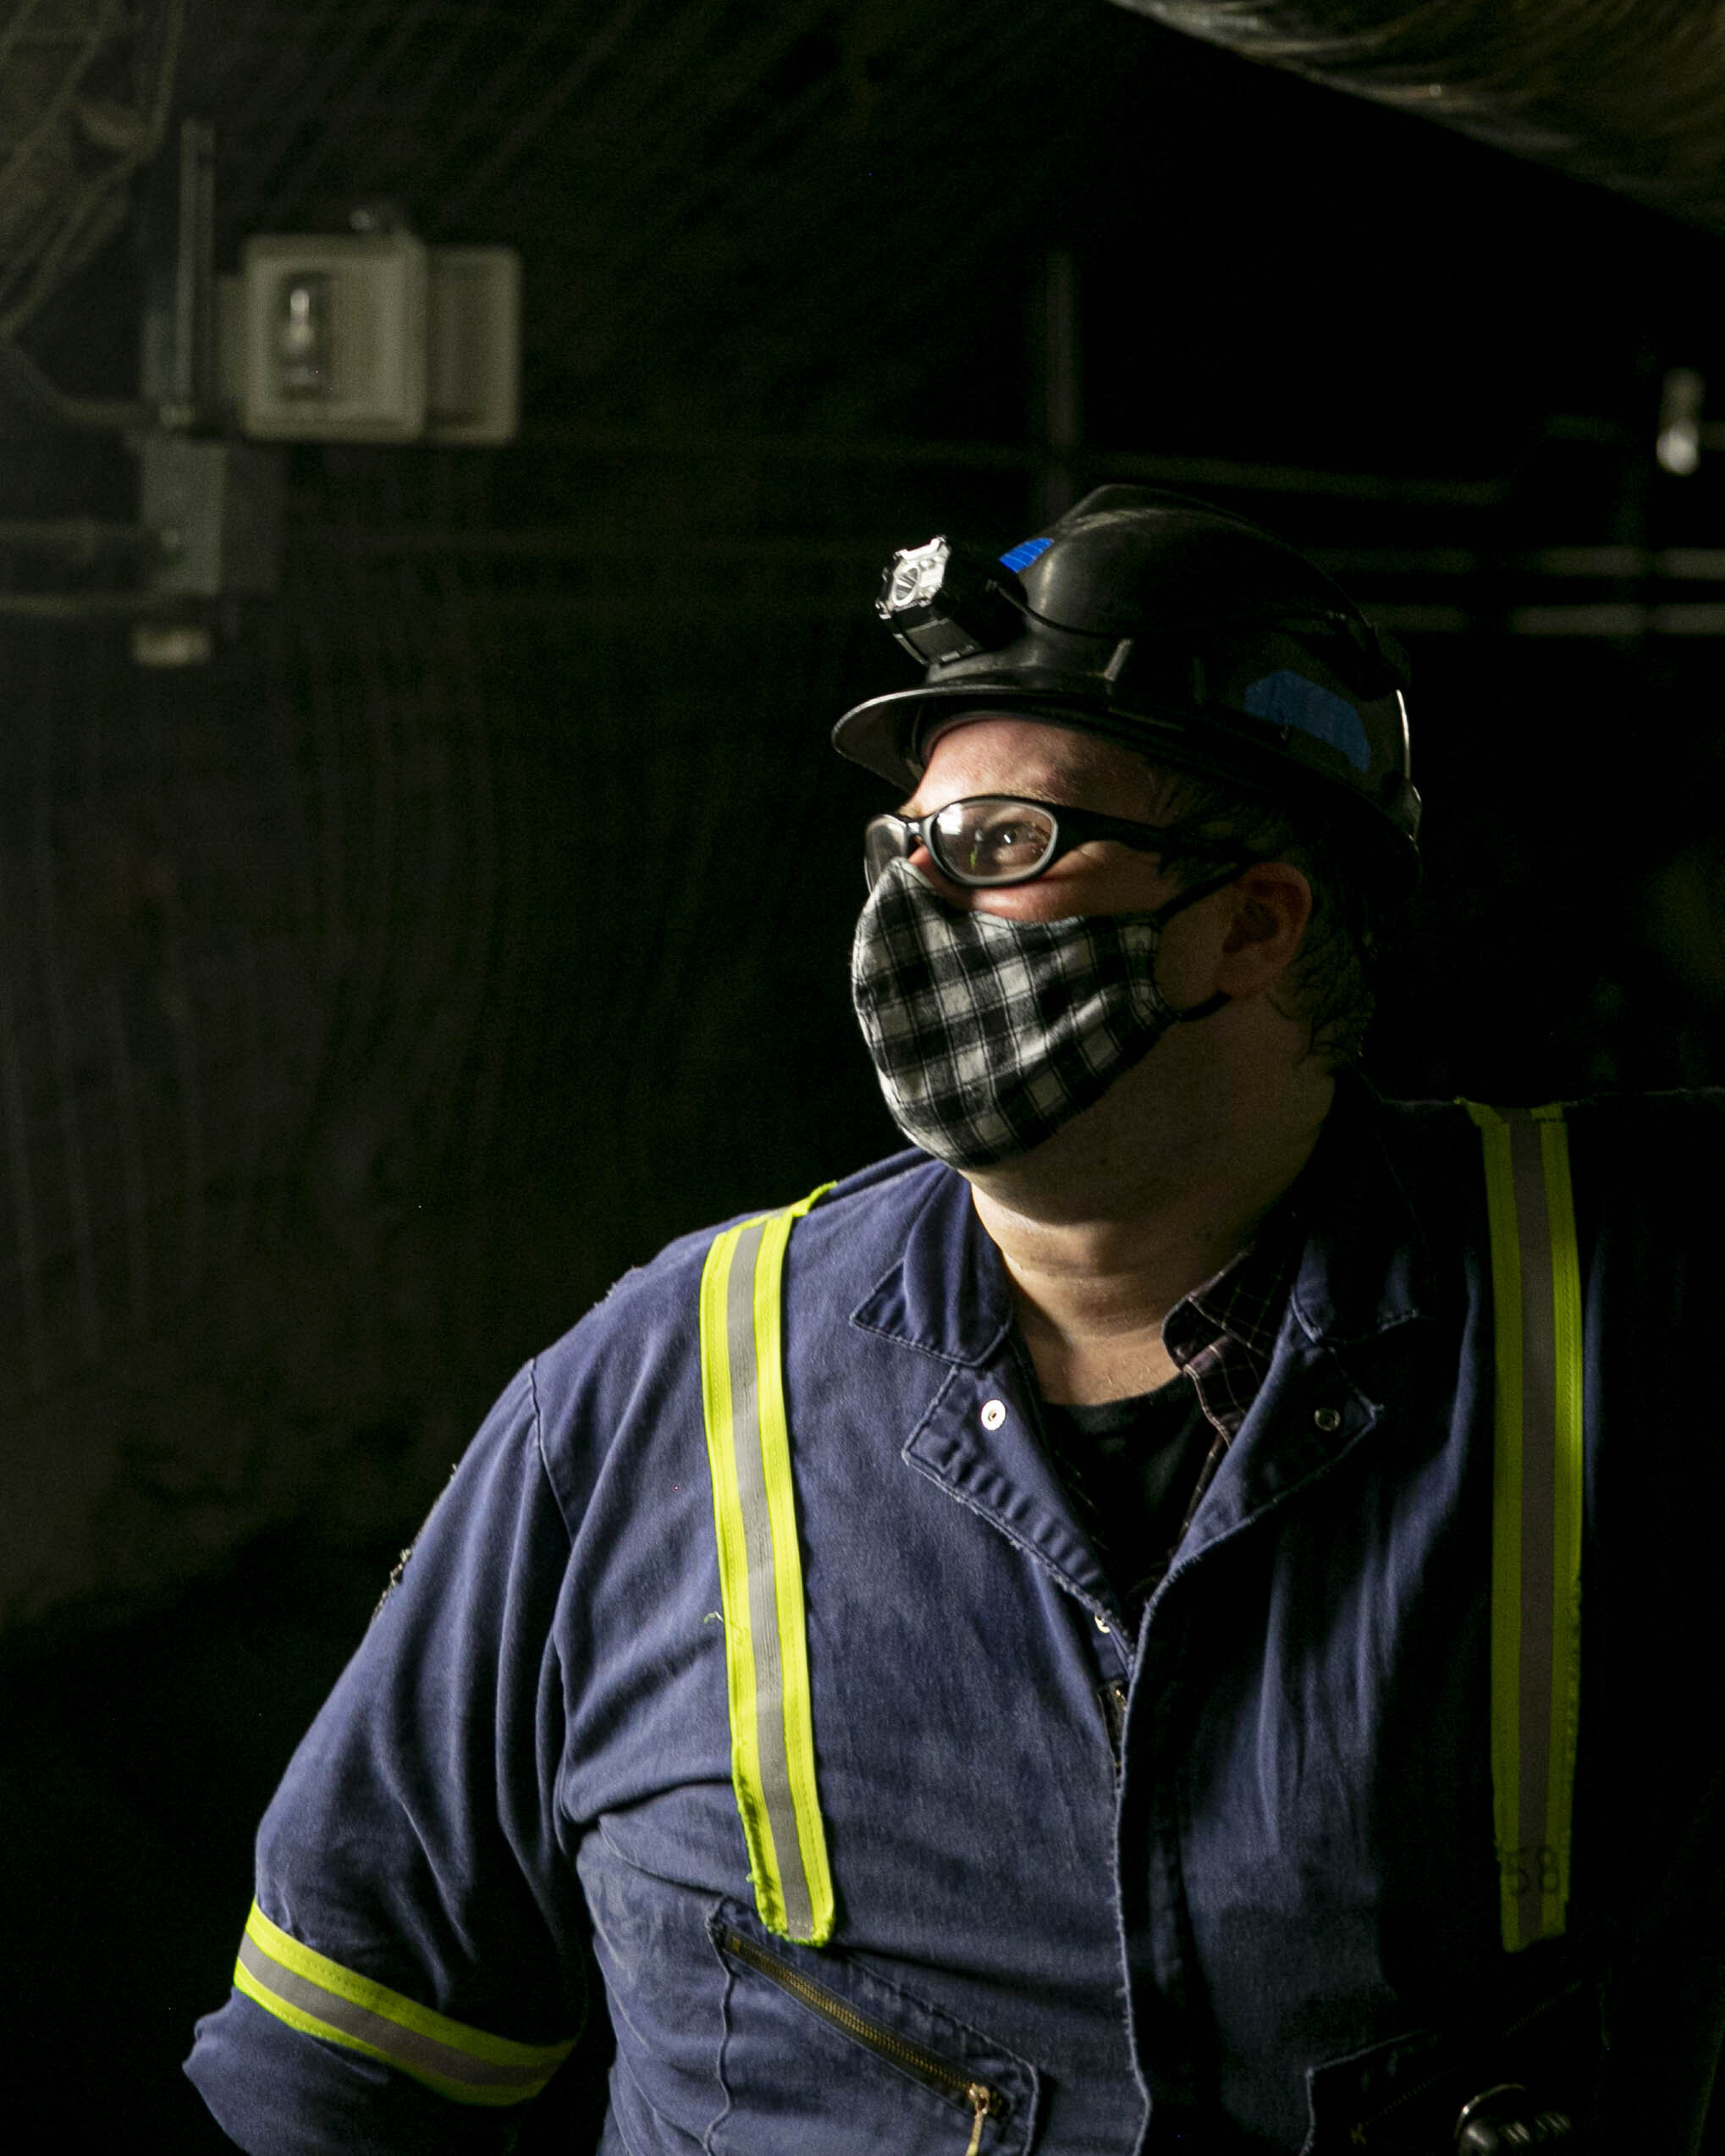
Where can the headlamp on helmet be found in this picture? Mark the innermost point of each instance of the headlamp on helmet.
(945, 601)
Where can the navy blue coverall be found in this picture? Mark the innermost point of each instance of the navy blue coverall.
(1266, 1918)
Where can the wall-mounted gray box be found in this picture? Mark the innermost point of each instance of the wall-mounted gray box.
(372, 338)
(332, 338)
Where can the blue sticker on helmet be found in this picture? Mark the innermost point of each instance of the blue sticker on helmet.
(1287, 699)
(1026, 552)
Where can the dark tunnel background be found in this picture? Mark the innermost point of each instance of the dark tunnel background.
(476, 920)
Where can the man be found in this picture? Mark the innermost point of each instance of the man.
(1001, 1657)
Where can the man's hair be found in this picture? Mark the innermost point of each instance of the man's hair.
(1329, 988)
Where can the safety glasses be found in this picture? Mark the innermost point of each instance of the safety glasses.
(993, 839)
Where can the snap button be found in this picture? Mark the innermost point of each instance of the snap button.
(1328, 1418)
(994, 1413)
(1102, 1623)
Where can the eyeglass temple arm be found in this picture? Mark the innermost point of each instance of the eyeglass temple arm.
(1156, 838)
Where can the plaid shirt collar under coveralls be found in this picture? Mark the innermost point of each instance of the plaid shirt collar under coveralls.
(1223, 1335)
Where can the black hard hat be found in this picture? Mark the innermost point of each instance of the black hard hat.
(1199, 640)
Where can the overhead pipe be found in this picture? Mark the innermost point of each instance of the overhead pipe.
(1629, 94)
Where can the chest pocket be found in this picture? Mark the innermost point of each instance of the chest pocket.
(821, 2055)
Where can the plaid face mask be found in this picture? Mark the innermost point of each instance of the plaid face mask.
(988, 1035)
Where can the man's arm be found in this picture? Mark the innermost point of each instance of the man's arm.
(413, 1969)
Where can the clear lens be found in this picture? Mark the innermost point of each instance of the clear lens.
(883, 841)
(991, 841)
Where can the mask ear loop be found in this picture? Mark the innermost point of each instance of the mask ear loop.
(1164, 914)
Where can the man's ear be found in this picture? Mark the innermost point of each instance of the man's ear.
(1272, 907)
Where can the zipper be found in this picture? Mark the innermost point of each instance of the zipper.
(983, 2102)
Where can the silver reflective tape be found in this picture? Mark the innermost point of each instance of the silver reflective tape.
(763, 1604)
(1539, 1468)
(405, 2047)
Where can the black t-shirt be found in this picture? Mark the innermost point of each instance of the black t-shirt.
(1130, 1467)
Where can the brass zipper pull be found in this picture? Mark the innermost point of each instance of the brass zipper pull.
(980, 2102)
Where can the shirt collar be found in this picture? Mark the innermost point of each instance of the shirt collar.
(1341, 1245)
(1244, 1302)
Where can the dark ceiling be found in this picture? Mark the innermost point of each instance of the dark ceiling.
(828, 217)
(768, 208)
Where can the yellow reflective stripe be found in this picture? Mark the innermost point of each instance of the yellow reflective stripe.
(319, 1998)
(740, 1688)
(787, 1569)
(1567, 1510)
(1506, 1509)
(1536, 1511)
(760, 1575)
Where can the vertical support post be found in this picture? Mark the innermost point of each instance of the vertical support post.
(178, 356)
(195, 281)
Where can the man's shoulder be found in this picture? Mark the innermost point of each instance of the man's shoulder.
(1696, 1112)
(1655, 1155)
(851, 1232)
